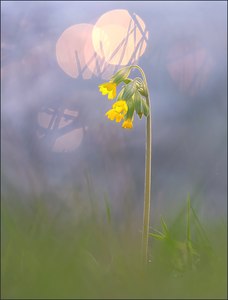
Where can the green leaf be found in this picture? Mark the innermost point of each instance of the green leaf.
(200, 229)
(157, 231)
(157, 236)
(164, 226)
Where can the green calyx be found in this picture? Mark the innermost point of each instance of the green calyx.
(131, 109)
(140, 105)
(130, 92)
(121, 75)
(143, 89)
(133, 91)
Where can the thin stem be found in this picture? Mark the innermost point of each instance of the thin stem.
(146, 214)
(188, 219)
(147, 188)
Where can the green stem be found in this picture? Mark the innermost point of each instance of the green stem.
(188, 219)
(147, 188)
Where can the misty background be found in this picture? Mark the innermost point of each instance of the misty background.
(185, 62)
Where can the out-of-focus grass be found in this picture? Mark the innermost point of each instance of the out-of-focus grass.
(51, 256)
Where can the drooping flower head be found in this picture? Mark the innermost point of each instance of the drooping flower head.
(132, 97)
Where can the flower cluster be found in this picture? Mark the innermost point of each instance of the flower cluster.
(118, 111)
(132, 97)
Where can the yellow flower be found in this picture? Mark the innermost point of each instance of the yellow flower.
(113, 115)
(120, 106)
(127, 124)
(108, 88)
(118, 111)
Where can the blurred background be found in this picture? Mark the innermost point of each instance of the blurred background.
(57, 144)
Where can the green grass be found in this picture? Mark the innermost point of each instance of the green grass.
(54, 256)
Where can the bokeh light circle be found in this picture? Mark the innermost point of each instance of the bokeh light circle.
(119, 38)
(71, 51)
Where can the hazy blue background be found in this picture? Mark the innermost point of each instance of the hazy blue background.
(189, 110)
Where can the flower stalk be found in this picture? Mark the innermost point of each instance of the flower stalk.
(147, 187)
(134, 97)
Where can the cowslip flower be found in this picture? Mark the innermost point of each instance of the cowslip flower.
(108, 88)
(118, 111)
(113, 115)
(120, 106)
(127, 124)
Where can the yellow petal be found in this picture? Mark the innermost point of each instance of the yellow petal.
(119, 117)
(127, 124)
(120, 106)
(112, 94)
(111, 114)
(103, 89)
(108, 88)
(119, 103)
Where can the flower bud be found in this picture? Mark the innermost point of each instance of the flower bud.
(121, 75)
